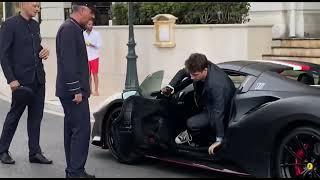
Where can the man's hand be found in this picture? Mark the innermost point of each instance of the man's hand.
(92, 45)
(44, 54)
(77, 98)
(14, 85)
(214, 147)
(89, 44)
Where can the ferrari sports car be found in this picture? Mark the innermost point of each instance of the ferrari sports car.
(273, 128)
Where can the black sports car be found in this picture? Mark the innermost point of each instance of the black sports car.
(274, 127)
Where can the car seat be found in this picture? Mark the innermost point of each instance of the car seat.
(306, 78)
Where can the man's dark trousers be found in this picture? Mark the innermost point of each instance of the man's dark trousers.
(35, 114)
(77, 129)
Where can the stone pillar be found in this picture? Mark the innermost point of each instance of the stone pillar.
(299, 20)
(270, 13)
(3, 10)
(52, 16)
(292, 19)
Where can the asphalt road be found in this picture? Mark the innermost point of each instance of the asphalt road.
(100, 162)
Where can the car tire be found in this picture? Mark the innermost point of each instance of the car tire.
(129, 158)
(296, 155)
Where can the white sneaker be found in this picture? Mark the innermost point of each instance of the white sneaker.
(183, 137)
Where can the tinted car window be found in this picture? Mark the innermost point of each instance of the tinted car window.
(236, 78)
(305, 77)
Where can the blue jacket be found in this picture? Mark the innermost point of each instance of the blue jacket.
(20, 44)
(73, 70)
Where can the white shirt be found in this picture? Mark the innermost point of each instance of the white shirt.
(93, 38)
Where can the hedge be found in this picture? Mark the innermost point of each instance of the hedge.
(186, 12)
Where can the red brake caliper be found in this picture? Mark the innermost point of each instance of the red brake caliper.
(300, 153)
(297, 166)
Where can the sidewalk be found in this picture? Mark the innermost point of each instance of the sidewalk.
(55, 107)
(52, 104)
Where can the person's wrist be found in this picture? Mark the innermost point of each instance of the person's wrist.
(219, 139)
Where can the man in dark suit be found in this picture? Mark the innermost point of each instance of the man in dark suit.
(214, 91)
(21, 57)
(73, 89)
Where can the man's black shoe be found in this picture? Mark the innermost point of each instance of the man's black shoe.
(6, 158)
(84, 175)
(39, 158)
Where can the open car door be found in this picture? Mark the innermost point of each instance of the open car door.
(140, 127)
(139, 116)
(150, 84)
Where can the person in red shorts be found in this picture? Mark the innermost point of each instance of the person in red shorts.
(93, 42)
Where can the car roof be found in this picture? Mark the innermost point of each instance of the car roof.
(256, 67)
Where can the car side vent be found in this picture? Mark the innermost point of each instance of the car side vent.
(267, 101)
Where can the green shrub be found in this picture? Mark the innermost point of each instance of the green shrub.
(1, 10)
(186, 12)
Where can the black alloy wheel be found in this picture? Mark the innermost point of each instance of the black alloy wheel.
(298, 155)
(121, 148)
(108, 130)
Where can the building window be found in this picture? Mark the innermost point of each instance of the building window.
(67, 12)
(11, 9)
(103, 13)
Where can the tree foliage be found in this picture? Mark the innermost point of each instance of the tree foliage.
(186, 12)
(1, 10)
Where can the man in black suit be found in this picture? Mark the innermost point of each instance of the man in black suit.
(73, 88)
(214, 91)
(21, 56)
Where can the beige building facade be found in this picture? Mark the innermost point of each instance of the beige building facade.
(220, 42)
(289, 19)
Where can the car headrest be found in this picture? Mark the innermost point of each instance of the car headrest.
(306, 78)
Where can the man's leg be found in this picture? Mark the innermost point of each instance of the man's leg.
(96, 84)
(67, 131)
(95, 70)
(90, 82)
(198, 121)
(35, 115)
(78, 122)
(10, 124)
(90, 74)
(195, 125)
(198, 126)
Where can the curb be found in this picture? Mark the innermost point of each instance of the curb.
(54, 107)
(50, 106)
